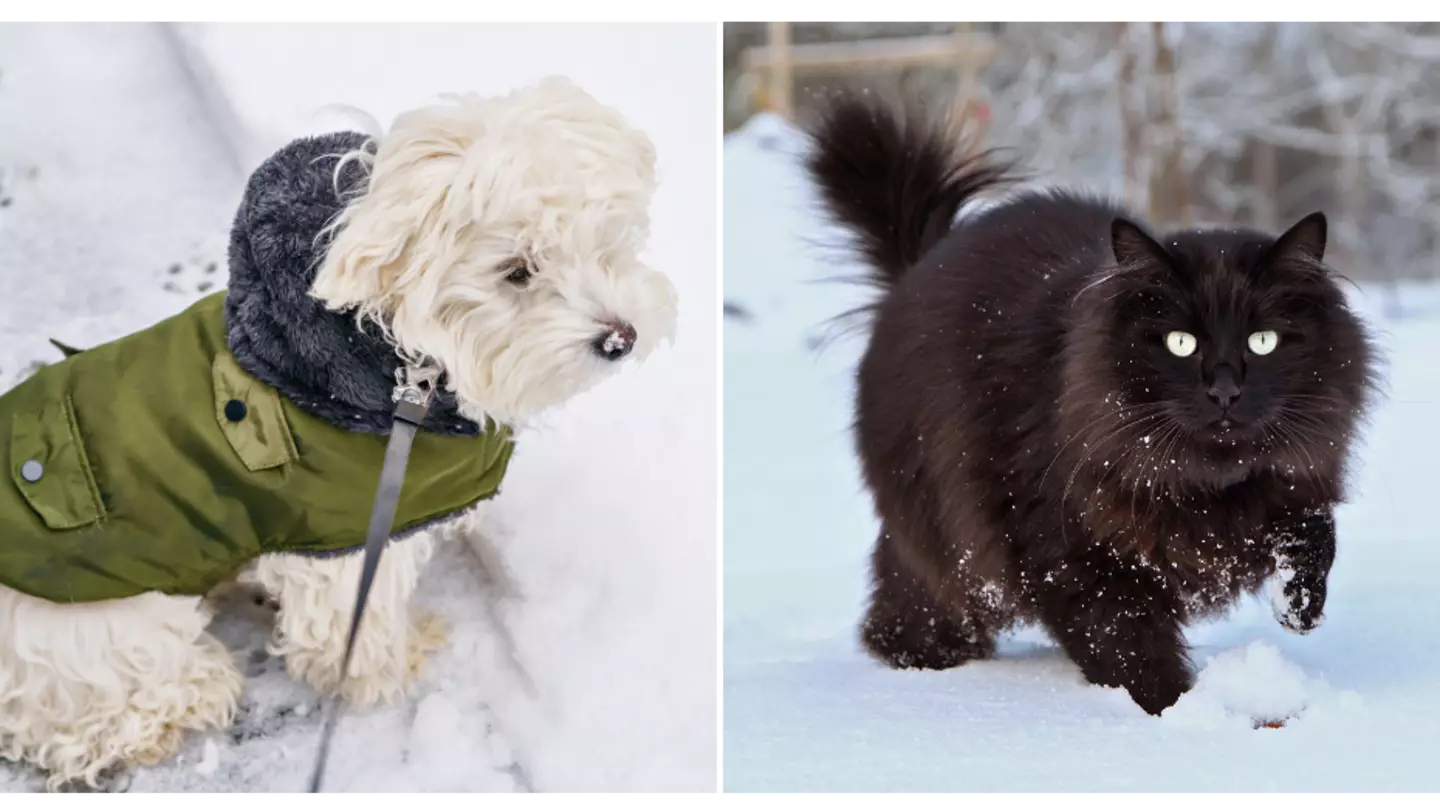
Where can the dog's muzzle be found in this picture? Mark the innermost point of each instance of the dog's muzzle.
(616, 341)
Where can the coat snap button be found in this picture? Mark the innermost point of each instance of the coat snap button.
(234, 410)
(32, 470)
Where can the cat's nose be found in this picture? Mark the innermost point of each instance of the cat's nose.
(1223, 391)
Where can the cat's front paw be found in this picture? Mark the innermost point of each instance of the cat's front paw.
(1160, 684)
(1156, 698)
(1298, 603)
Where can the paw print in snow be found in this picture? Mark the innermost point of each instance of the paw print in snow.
(9, 180)
(200, 275)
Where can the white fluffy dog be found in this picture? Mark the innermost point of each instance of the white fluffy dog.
(496, 238)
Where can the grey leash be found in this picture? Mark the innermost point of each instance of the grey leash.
(412, 395)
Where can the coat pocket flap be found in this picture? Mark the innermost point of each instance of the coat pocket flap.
(49, 465)
(251, 416)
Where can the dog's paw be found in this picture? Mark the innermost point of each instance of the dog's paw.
(379, 673)
(161, 747)
(1298, 605)
(211, 695)
(430, 632)
(115, 779)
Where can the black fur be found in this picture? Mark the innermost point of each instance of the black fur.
(1037, 454)
(319, 359)
(895, 179)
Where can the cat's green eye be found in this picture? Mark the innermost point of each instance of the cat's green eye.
(1180, 344)
(1264, 342)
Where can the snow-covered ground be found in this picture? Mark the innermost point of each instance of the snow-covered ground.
(122, 155)
(806, 710)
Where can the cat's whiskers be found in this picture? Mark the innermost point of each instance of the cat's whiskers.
(1109, 275)
(1170, 435)
(1296, 442)
(1316, 398)
(1296, 435)
(1278, 443)
(1143, 408)
(1116, 466)
(1305, 415)
(1320, 426)
(1317, 430)
(1143, 422)
(1305, 404)
(1106, 436)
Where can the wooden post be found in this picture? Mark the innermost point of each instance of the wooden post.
(1132, 120)
(775, 65)
(1266, 210)
(1169, 189)
(967, 97)
(782, 75)
(1435, 226)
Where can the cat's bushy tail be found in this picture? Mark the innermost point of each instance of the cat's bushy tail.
(894, 178)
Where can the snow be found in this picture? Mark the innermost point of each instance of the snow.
(1254, 685)
(807, 710)
(583, 651)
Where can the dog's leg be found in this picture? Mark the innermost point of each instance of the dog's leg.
(87, 688)
(317, 599)
(469, 528)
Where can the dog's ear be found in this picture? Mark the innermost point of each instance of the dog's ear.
(405, 222)
(621, 143)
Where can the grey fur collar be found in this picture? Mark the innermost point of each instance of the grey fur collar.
(318, 359)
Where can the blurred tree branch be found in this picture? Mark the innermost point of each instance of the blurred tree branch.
(1249, 123)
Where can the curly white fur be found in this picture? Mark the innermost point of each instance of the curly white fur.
(317, 596)
(87, 687)
(459, 195)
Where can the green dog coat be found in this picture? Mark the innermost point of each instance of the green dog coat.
(156, 463)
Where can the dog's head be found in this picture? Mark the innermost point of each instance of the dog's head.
(500, 239)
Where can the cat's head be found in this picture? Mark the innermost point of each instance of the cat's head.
(1235, 348)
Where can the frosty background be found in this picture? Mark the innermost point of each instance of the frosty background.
(1195, 123)
(586, 661)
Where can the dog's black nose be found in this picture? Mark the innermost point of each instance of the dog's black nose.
(615, 342)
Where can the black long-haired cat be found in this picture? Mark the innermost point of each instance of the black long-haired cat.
(1065, 419)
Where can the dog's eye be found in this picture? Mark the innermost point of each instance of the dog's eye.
(519, 275)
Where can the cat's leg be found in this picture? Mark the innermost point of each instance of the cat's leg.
(1304, 551)
(1120, 621)
(911, 625)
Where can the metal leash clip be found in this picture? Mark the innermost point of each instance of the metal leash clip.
(414, 384)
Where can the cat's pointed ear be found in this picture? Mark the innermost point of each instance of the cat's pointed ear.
(1305, 240)
(1133, 246)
